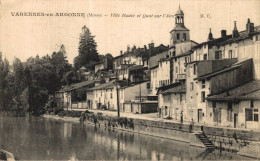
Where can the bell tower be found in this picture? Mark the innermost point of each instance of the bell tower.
(180, 33)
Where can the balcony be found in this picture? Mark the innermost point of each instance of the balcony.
(181, 76)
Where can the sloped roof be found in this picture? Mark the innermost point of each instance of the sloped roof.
(177, 89)
(228, 68)
(107, 85)
(245, 92)
(180, 27)
(228, 39)
(156, 50)
(78, 85)
(164, 88)
(179, 12)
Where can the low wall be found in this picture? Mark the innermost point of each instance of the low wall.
(240, 141)
(244, 142)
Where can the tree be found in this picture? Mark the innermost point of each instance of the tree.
(87, 49)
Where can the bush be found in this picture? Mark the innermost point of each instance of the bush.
(168, 118)
(57, 110)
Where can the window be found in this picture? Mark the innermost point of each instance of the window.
(203, 84)
(178, 36)
(176, 69)
(256, 38)
(165, 110)
(256, 115)
(204, 46)
(184, 36)
(194, 69)
(251, 103)
(191, 86)
(251, 114)
(202, 96)
(111, 95)
(230, 54)
(148, 85)
(218, 55)
(205, 57)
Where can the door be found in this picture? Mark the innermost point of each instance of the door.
(200, 115)
(235, 120)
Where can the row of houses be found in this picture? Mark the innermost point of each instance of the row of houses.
(215, 82)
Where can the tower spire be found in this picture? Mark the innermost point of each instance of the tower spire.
(235, 31)
(210, 37)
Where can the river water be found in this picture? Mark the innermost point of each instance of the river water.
(47, 139)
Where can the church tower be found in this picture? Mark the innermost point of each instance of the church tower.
(180, 33)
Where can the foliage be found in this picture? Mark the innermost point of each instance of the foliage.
(87, 50)
(27, 85)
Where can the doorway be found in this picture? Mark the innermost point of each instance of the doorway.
(200, 115)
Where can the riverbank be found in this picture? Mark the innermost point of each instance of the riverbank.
(243, 142)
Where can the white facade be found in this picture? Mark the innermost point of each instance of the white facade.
(131, 92)
(163, 73)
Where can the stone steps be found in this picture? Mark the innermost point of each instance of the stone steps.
(204, 139)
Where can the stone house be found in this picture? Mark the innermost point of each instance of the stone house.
(172, 100)
(102, 96)
(198, 89)
(237, 108)
(130, 93)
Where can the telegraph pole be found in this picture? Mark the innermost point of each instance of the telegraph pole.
(117, 94)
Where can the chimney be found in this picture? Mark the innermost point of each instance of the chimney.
(128, 48)
(210, 37)
(121, 52)
(145, 48)
(151, 47)
(235, 31)
(223, 33)
(133, 49)
(249, 27)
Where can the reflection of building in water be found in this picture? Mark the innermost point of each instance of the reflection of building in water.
(67, 130)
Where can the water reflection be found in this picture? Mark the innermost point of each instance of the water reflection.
(46, 139)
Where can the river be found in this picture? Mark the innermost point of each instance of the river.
(40, 138)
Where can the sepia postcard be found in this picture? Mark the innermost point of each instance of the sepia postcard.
(129, 80)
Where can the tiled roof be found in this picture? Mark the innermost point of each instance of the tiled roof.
(184, 54)
(78, 85)
(228, 39)
(107, 85)
(164, 88)
(177, 89)
(245, 92)
(156, 50)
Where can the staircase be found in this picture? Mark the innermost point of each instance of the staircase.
(204, 139)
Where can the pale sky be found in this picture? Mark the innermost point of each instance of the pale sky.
(25, 36)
